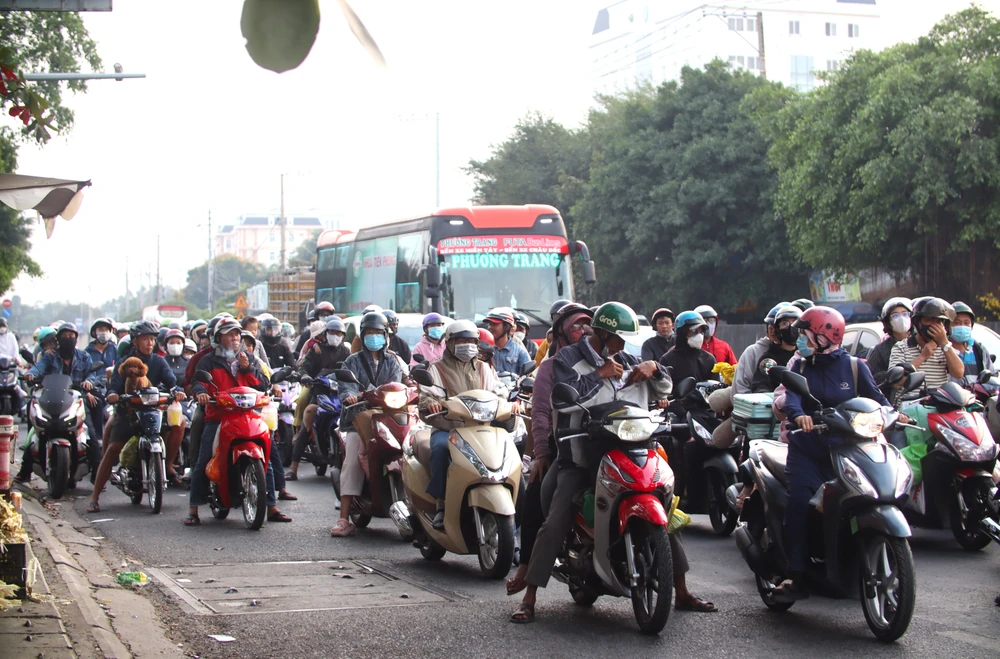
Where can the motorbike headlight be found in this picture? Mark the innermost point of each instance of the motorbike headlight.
(481, 410)
(245, 400)
(966, 448)
(868, 424)
(395, 399)
(904, 475)
(856, 478)
(151, 398)
(634, 429)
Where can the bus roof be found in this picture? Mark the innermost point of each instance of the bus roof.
(480, 217)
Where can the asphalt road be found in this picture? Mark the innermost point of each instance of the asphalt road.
(452, 611)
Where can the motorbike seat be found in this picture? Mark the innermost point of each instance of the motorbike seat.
(774, 455)
(422, 447)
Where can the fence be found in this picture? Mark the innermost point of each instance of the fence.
(740, 336)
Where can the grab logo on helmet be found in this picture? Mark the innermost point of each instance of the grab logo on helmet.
(608, 321)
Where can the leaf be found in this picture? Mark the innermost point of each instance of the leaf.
(362, 34)
(279, 33)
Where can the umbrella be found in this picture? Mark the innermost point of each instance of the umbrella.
(50, 197)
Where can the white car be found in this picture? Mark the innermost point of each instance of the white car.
(633, 344)
(860, 338)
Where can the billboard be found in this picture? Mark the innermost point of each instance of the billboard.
(828, 288)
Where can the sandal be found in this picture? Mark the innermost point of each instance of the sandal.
(278, 517)
(285, 496)
(524, 614)
(516, 584)
(695, 604)
(173, 480)
(291, 476)
(93, 507)
(192, 520)
(342, 528)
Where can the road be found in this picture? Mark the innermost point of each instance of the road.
(450, 610)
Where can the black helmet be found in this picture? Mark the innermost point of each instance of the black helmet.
(143, 328)
(270, 327)
(67, 326)
(373, 320)
(521, 319)
(161, 335)
(556, 306)
(174, 325)
(390, 317)
(933, 307)
(100, 321)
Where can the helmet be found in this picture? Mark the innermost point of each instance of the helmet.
(174, 325)
(803, 304)
(823, 323)
(462, 329)
(245, 335)
(270, 327)
(335, 325)
(688, 321)
(769, 318)
(143, 328)
(706, 312)
(371, 308)
(187, 326)
(557, 306)
(788, 312)
(432, 319)
(894, 302)
(662, 311)
(571, 309)
(161, 335)
(373, 320)
(933, 307)
(616, 318)
(190, 345)
(121, 327)
(962, 307)
(99, 321)
(323, 306)
(521, 319)
(287, 330)
(173, 334)
(486, 341)
(225, 326)
(390, 317)
(45, 334)
(67, 326)
(503, 315)
(264, 316)
(196, 324)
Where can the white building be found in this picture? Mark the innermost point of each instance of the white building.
(638, 41)
(257, 238)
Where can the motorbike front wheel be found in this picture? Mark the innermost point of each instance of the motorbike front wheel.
(653, 597)
(58, 473)
(254, 499)
(496, 555)
(966, 530)
(888, 593)
(722, 516)
(154, 481)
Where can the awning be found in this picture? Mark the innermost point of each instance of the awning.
(51, 197)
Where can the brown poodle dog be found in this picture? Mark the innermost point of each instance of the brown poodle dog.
(134, 372)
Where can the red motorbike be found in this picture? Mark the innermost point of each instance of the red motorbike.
(393, 421)
(236, 472)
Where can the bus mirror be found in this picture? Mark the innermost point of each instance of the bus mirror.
(433, 281)
(589, 273)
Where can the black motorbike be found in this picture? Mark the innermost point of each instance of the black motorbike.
(10, 395)
(857, 532)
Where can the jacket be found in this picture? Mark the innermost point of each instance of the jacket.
(511, 358)
(52, 363)
(363, 366)
(159, 373)
(109, 356)
(193, 366)
(878, 358)
(719, 349)
(400, 347)
(223, 378)
(748, 364)
(762, 381)
(541, 409)
(431, 351)
(656, 346)
(179, 366)
(688, 362)
(8, 345)
(279, 353)
(452, 376)
(328, 359)
(831, 381)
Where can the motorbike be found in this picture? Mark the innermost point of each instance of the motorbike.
(146, 472)
(286, 418)
(242, 450)
(324, 425)
(483, 482)
(619, 543)
(858, 535)
(10, 395)
(392, 425)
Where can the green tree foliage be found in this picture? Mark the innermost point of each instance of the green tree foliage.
(894, 162)
(15, 228)
(305, 253)
(231, 275)
(678, 206)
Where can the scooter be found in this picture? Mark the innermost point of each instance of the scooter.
(242, 449)
(10, 394)
(857, 532)
(146, 472)
(483, 482)
(324, 425)
(619, 545)
(392, 425)
(286, 418)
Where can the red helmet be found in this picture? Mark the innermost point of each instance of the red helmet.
(173, 334)
(486, 339)
(823, 322)
(503, 315)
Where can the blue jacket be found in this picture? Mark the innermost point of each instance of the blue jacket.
(108, 357)
(159, 375)
(52, 363)
(831, 381)
(511, 357)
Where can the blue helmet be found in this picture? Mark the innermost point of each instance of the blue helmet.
(689, 319)
(769, 318)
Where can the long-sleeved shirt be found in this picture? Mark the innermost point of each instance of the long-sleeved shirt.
(831, 381)
(108, 356)
(370, 375)
(719, 349)
(541, 409)
(78, 369)
(748, 364)
(511, 357)
(431, 351)
(656, 346)
(8, 345)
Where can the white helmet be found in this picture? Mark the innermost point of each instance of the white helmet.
(461, 329)
(372, 308)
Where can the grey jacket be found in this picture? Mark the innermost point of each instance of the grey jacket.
(361, 364)
(748, 364)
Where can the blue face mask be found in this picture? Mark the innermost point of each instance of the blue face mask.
(375, 342)
(802, 345)
(436, 333)
(961, 333)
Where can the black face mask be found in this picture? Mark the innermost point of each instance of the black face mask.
(271, 340)
(788, 335)
(67, 345)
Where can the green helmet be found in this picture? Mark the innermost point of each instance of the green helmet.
(616, 318)
(962, 307)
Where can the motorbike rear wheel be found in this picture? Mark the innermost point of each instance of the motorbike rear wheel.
(320, 468)
(766, 590)
(887, 603)
(58, 472)
(254, 499)
(583, 596)
(723, 518)
(653, 597)
(966, 531)
(431, 551)
(154, 481)
(218, 510)
(497, 555)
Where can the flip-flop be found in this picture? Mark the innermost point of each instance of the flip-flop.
(192, 520)
(93, 507)
(524, 614)
(278, 517)
(516, 585)
(285, 496)
(696, 604)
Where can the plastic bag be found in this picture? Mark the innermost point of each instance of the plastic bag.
(213, 470)
(917, 441)
(129, 457)
(726, 370)
(678, 518)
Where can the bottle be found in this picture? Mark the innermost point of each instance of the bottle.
(132, 578)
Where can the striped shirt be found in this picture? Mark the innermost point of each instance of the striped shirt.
(935, 368)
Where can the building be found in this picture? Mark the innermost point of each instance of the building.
(257, 238)
(640, 41)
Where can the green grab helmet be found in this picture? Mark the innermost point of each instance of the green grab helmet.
(616, 318)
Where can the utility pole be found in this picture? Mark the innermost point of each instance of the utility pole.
(437, 159)
(282, 221)
(126, 285)
(760, 45)
(158, 268)
(209, 278)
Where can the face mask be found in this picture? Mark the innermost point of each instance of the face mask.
(961, 333)
(374, 342)
(900, 325)
(66, 346)
(466, 352)
(519, 336)
(436, 333)
(696, 341)
(103, 337)
(924, 331)
(788, 335)
(802, 345)
(334, 340)
(3, 330)
(711, 326)
(175, 349)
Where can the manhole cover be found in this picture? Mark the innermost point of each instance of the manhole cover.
(288, 587)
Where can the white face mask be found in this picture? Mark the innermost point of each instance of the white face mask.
(900, 325)
(696, 341)
(712, 322)
(466, 352)
(334, 340)
(103, 337)
(3, 330)
(175, 349)
(519, 336)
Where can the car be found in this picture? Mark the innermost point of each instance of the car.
(633, 344)
(411, 326)
(860, 338)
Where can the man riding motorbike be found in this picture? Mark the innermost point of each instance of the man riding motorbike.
(101, 349)
(8, 342)
(781, 350)
(430, 346)
(975, 358)
(374, 366)
(929, 349)
(508, 356)
(522, 326)
(688, 358)
(659, 344)
(896, 313)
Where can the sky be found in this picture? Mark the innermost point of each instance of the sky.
(207, 131)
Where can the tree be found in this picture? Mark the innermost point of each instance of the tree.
(305, 253)
(895, 162)
(678, 206)
(231, 275)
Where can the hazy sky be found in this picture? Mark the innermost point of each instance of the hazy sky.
(209, 130)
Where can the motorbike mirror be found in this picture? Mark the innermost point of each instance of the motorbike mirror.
(914, 381)
(203, 376)
(280, 375)
(345, 375)
(984, 377)
(685, 387)
(766, 365)
(526, 367)
(663, 361)
(527, 385)
(512, 396)
(795, 383)
(563, 395)
(774, 375)
(27, 356)
(420, 359)
(895, 374)
(422, 377)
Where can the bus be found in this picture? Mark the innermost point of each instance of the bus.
(459, 262)
(164, 314)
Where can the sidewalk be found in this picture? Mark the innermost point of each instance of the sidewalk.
(82, 611)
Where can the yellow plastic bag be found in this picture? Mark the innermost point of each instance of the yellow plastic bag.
(129, 456)
(728, 371)
(678, 518)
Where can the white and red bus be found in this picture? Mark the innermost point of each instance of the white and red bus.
(164, 314)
